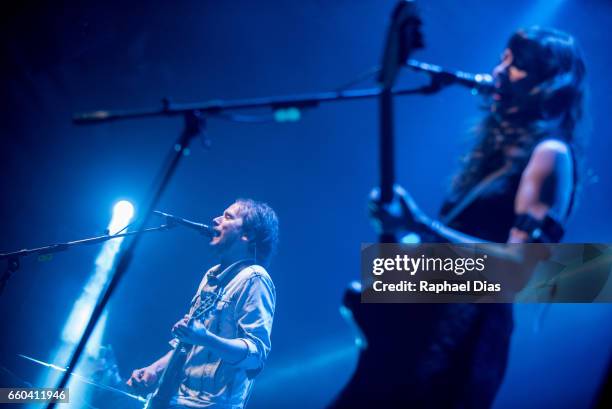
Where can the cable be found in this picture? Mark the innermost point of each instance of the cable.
(360, 78)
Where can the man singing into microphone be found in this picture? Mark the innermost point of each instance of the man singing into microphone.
(230, 320)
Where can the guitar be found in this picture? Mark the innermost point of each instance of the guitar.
(172, 376)
(378, 322)
(403, 36)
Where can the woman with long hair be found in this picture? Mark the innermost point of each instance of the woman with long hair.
(529, 138)
(517, 185)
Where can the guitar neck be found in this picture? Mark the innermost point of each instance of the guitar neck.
(387, 155)
(387, 146)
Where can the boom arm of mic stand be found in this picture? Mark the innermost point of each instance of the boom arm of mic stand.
(218, 106)
(14, 257)
(56, 248)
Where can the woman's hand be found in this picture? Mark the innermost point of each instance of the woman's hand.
(400, 215)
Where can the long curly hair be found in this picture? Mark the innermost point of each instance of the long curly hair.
(551, 107)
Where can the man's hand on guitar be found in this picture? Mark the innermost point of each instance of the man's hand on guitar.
(400, 215)
(193, 333)
(182, 321)
(143, 378)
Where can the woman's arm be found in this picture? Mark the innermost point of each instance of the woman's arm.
(546, 186)
(545, 189)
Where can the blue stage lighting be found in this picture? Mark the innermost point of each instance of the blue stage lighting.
(123, 211)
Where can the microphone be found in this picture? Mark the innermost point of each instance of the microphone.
(199, 227)
(480, 83)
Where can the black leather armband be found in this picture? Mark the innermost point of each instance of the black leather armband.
(539, 231)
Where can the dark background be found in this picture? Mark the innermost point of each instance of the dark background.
(58, 181)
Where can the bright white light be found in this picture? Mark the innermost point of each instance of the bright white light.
(123, 211)
(122, 214)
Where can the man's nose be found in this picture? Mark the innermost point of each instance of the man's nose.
(217, 220)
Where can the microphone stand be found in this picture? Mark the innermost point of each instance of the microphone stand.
(13, 258)
(194, 124)
(194, 119)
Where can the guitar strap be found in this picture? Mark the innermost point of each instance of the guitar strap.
(474, 193)
(477, 190)
(228, 274)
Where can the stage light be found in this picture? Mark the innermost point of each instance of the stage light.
(123, 211)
